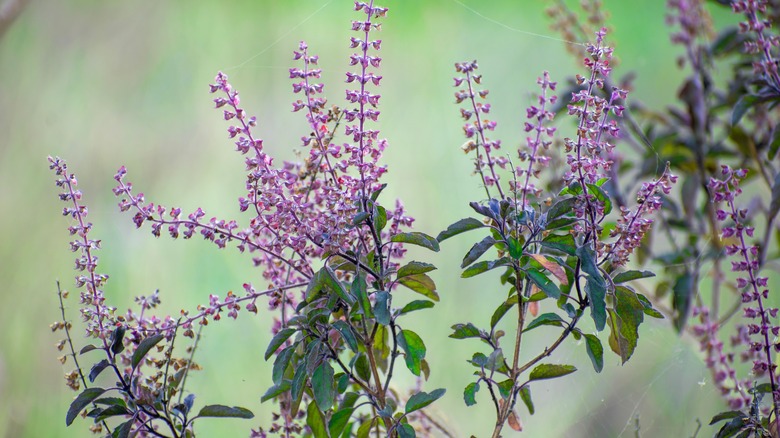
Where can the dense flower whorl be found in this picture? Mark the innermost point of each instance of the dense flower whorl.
(754, 288)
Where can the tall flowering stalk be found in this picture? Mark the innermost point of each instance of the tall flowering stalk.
(762, 344)
(554, 249)
(330, 256)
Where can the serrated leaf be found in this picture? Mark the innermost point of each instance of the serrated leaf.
(380, 218)
(550, 371)
(464, 331)
(221, 411)
(416, 305)
(382, 307)
(470, 392)
(322, 385)
(484, 266)
(422, 284)
(627, 316)
(82, 401)
(414, 348)
(545, 319)
(564, 243)
(413, 268)
(316, 421)
(543, 283)
(502, 309)
(144, 348)
(277, 341)
(97, 369)
(477, 251)
(459, 227)
(648, 307)
(631, 275)
(422, 399)
(276, 390)
(595, 351)
(417, 238)
(525, 396)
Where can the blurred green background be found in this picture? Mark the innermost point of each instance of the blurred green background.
(106, 83)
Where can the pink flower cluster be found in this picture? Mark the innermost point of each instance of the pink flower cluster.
(540, 140)
(765, 42)
(476, 129)
(300, 212)
(763, 332)
(588, 153)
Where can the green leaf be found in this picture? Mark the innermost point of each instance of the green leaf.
(515, 248)
(316, 421)
(416, 305)
(731, 428)
(422, 284)
(545, 319)
(417, 238)
(380, 218)
(564, 243)
(550, 371)
(458, 227)
(144, 348)
(631, 275)
(406, 431)
(595, 351)
(375, 193)
(743, 105)
(469, 394)
(525, 396)
(322, 385)
(299, 381)
(543, 283)
(278, 340)
(117, 346)
(123, 430)
(360, 217)
(601, 196)
(627, 316)
(561, 208)
(414, 348)
(478, 250)
(338, 422)
(87, 348)
(463, 331)
(649, 309)
(359, 291)
(774, 145)
(413, 268)
(597, 295)
(280, 364)
(97, 369)
(362, 368)
(588, 262)
(382, 307)
(422, 399)
(275, 390)
(346, 334)
(501, 310)
(82, 401)
(728, 415)
(505, 388)
(220, 411)
(484, 266)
